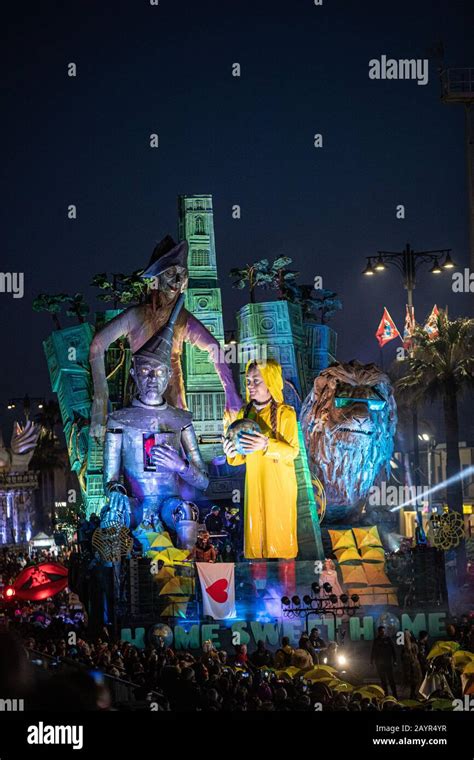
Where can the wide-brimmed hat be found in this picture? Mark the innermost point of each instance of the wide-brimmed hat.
(167, 253)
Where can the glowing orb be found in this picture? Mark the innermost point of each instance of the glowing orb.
(161, 632)
(240, 428)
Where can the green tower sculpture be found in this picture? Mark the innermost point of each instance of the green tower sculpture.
(204, 394)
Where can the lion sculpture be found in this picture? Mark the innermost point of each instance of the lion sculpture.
(349, 421)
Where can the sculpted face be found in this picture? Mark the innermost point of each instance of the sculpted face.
(352, 413)
(173, 281)
(151, 379)
(257, 389)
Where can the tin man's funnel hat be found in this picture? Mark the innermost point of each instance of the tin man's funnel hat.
(167, 254)
(158, 347)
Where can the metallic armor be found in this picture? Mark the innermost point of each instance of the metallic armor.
(126, 432)
(145, 444)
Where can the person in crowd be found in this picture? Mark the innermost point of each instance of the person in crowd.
(423, 650)
(215, 520)
(411, 664)
(204, 551)
(261, 656)
(384, 657)
(301, 657)
(284, 654)
(315, 639)
(241, 659)
(305, 643)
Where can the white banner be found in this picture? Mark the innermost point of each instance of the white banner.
(218, 589)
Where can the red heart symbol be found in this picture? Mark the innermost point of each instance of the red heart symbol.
(218, 590)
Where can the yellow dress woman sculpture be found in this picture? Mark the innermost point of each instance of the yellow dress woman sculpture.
(270, 483)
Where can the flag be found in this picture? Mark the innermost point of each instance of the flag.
(431, 326)
(409, 328)
(386, 330)
(218, 589)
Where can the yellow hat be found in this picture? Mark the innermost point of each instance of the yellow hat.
(272, 377)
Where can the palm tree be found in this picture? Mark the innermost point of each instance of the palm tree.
(442, 367)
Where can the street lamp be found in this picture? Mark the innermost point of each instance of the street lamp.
(408, 263)
(436, 269)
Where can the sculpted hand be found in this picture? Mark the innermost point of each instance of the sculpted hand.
(254, 442)
(229, 448)
(168, 458)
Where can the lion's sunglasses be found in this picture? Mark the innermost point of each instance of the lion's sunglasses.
(374, 404)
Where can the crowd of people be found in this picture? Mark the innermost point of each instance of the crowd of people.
(82, 670)
(48, 656)
(211, 680)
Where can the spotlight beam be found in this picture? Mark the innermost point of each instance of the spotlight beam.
(439, 487)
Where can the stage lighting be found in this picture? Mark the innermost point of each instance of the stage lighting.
(296, 600)
(341, 659)
(327, 587)
(315, 588)
(285, 601)
(344, 598)
(333, 599)
(307, 599)
(9, 592)
(355, 598)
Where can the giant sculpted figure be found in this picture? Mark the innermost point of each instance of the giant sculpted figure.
(168, 270)
(151, 453)
(349, 421)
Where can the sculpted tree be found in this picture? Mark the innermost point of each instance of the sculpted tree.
(318, 305)
(122, 289)
(77, 307)
(252, 276)
(52, 304)
(266, 275)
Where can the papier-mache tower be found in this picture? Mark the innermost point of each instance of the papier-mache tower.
(204, 393)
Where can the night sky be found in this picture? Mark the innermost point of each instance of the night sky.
(247, 141)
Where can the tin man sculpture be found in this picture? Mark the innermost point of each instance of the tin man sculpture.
(151, 452)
